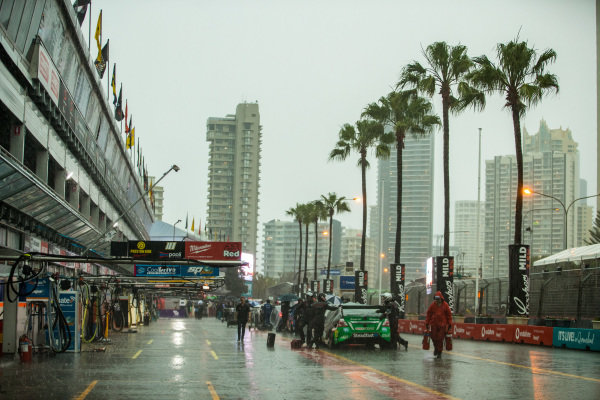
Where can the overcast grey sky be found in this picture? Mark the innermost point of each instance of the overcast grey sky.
(313, 66)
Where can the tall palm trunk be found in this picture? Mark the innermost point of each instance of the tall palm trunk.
(330, 242)
(446, 123)
(399, 150)
(300, 257)
(363, 167)
(316, 247)
(306, 254)
(519, 153)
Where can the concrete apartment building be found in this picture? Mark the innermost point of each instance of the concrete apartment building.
(469, 247)
(281, 248)
(234, 176)
(417, 202)
(551, 167)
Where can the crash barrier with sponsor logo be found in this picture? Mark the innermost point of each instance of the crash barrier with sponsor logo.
(583, 339)
(526, 334)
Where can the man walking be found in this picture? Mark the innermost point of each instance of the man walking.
(391, 310)
(438, 322)
(243, 312)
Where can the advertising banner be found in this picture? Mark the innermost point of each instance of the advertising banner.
(328, 286)
(47, 74)
(199, 271)
(315, 286)
(361, 286)
(69, 305)
(346, 282)
(573, 338)
(444, 278)
(397, 284)
(518, 279)
(156, 250)
(213, 251)
(331, 272)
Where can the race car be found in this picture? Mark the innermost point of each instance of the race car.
(354, 323)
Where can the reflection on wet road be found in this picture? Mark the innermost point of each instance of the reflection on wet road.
(183, 359)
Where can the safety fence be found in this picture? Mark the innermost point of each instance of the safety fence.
(558, 292)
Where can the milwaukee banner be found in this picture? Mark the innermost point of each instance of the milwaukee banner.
(444, 278)
(360, 286)
(397, 284)
(518, 279)
(213, 251)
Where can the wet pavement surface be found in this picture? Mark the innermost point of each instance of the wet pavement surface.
(201, 359)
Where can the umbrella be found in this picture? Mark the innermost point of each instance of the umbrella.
(288, 297)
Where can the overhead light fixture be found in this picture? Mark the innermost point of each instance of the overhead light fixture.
(69, 175)
(116, 224)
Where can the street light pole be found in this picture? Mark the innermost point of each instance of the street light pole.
(178, 221)
(565, 209)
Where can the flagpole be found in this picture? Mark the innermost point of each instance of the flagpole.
(108, 81)
(90, 27)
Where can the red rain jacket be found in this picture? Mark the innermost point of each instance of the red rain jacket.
(439, 315)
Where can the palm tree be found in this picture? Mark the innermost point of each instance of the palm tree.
(319, 214)
(297, 213)
(368, 134)
(332, 204)
(405, 112)
(519, 76)
(446, 67)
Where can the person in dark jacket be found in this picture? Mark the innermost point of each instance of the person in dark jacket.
(299, 319)
(243, 312)
(308, 315)
(391, 310)
(267, 308)
(285, 312)
(438, 322)
(318, 319)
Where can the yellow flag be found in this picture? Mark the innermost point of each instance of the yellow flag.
(97, 36)
(192, 224)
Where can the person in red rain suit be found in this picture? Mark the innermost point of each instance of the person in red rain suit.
(439, 321)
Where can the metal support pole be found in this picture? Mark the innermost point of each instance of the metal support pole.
(477, 230)
(381, 238)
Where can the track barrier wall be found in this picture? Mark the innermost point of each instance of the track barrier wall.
(583, 339)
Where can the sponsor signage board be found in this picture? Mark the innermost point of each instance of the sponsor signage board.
(315, 286)
(331, 272)
(328, 286)
(573, 338)
(47, 74)
(156, 250)
(444, 278)
(175, 271)
(361, 286)
(518, 279)
(397, 285)
(346, 282)
(213, 251)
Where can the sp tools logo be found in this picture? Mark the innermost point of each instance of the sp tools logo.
(141, 245)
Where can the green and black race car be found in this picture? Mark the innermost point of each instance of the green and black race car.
(354, 323)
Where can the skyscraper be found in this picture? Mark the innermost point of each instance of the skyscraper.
(417, 205)
(551, 167)
(465, 235)
(233, 176)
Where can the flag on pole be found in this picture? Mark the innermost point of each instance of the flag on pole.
(113, 83)
(119, 106)
(186, 221)
(102, 62)
(126, 126)
(80, 7)
(192, 224)
(131, 140)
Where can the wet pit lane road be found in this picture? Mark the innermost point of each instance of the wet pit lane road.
(201, 359)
